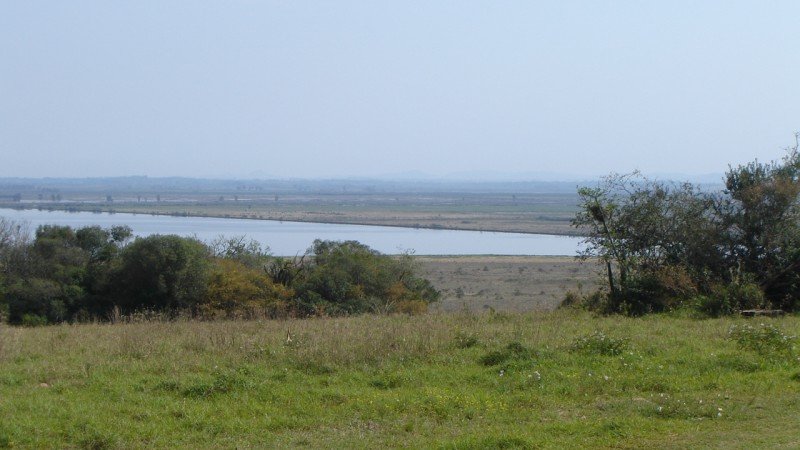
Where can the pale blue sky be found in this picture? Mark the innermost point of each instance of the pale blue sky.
(338, 88)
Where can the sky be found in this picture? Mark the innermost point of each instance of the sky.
(330, 89)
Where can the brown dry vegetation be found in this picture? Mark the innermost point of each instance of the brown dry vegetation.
(528, 213)
(505, 283)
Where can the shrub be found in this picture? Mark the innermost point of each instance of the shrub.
(659, 241)
(348, 277)
(33, 320)
(92, 273)
(236, 290)
(35, 297)
(712, 305)
(744, 294)
(730, 297)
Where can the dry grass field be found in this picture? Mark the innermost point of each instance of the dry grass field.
(491, 219)
(506, 283)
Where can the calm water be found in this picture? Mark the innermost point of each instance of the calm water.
(291, 238)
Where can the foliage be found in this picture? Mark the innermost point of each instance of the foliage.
(348, 277)
(248, 252)
(95, 273)
(33, 320)
(160, 272)
(236, 290)
(663, 244)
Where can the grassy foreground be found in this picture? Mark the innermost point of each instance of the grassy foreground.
(435, 381)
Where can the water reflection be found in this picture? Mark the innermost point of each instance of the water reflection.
(291, 238)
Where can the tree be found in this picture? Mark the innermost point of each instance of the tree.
(162, 272)
(761, 213)
(662, 242)
(247, 251)
(654, 239)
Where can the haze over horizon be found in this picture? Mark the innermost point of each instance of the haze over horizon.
(368, 89)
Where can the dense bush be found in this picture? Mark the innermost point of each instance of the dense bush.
(236, 290)
(159, 272)
(94, 273)
(665, 245)
(349, 277)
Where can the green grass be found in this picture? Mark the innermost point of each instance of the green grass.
(455, 381)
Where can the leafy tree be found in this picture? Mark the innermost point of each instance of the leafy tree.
(761, 213)
(662, 243)
(162, 272)
(651, 237)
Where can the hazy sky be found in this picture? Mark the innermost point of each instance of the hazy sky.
(338, 88)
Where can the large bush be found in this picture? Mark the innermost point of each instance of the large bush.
(662, 243)
(236, 290)
(349, 277)
(163, 272)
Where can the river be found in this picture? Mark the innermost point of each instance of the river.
(292, 238)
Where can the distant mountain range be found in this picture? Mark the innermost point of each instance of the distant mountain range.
(547, 177)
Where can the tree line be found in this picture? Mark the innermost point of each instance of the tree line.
(666, 245)
(63, 274)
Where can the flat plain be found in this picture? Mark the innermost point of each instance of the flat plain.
(506, 283)
(511, 207)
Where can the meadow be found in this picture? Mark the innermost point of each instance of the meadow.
(561, 379)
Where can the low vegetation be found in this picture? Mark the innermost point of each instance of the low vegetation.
(564, 379)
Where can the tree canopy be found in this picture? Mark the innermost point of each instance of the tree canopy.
(93, 273)
(664, 244)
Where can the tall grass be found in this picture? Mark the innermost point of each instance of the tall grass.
(461, 380)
